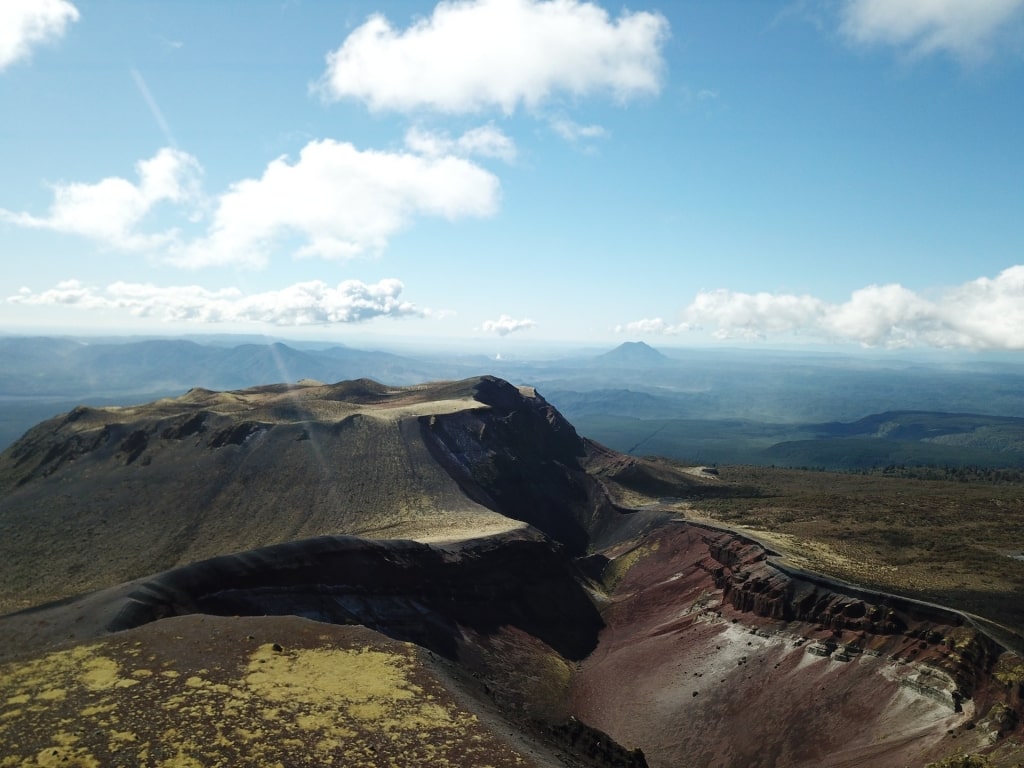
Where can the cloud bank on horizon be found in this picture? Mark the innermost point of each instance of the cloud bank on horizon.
(470, 86)
(986, 313)
(312, 303)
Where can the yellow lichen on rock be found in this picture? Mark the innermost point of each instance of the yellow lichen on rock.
(622, 563)
(1009, 669)
(64, 757)
(101, 673)
(362, 685)
(353, 704)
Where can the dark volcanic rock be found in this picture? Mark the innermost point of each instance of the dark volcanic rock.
(596, 745)
(403, 589)
(151, 487)
(520, 457)
(134, 445)
(236, 434)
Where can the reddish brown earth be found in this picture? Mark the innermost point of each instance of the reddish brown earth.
(714, 657)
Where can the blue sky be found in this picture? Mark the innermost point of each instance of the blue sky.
(840, 172)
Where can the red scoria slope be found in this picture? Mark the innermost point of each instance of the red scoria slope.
(714, 656)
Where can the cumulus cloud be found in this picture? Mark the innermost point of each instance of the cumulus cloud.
(26, 24)
(964, 29)
(887, 315)
(340, 201)
(472, 55)
(990, 311)
(484, 141)
(507, 324)
(753, 315)
(309, 303)
(111, 210)
(987, 313)
(335, 201)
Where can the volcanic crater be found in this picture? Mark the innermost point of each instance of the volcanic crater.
(445, 574)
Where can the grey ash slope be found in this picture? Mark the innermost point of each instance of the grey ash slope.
(100, 496)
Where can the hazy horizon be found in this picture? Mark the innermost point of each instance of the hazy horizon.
(527, 350)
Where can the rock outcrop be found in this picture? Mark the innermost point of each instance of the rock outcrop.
(424, 594)
(736, 658)
(949, 641)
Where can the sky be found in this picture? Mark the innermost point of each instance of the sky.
(839, 173)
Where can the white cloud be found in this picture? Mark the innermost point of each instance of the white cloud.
(309, 303)
(25, 24)
(340, 201)
(964, 28)
(987, 313)
(752, 315)
(885, 315)
(66, 292)
(111, 210)
(484, 141)
(651, 326)
(471, 55)
(487, 141)
(507, 324)
(335, 201)
(572, 131)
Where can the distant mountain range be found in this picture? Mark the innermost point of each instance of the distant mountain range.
(65, 367)
(705, 405)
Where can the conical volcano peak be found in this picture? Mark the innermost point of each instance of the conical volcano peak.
(634, 353)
